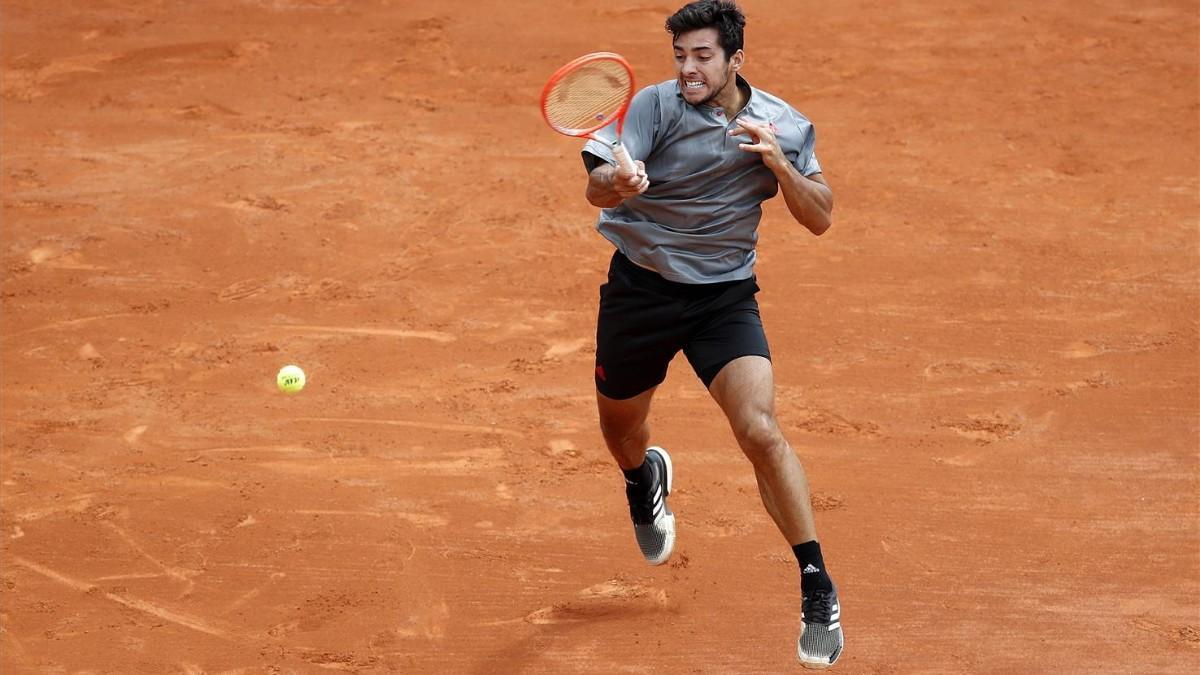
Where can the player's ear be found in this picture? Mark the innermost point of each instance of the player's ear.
(738, 58)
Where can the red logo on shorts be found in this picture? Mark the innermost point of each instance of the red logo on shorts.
(600, 373)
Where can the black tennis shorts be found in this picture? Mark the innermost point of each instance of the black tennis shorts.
(645, 320)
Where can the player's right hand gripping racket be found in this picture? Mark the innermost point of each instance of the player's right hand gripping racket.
(588, 94)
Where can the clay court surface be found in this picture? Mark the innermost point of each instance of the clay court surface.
(989, 365)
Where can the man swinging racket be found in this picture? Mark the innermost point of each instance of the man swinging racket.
(707, 149)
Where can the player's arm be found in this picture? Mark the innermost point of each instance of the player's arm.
(809, 198)
(608, 185)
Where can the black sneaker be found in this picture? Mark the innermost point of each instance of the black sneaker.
(821, 639)
(653, 522)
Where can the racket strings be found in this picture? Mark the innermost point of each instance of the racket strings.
(588, 96)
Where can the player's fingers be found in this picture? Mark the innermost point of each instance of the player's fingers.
(629, 182)
(754, 137)
(754, 147)
(633, 189)
(759, 132)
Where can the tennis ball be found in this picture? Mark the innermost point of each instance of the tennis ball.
(290, 379)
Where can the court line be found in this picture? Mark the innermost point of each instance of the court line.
(436, 426)
(436, 336)
(70, 322)
(331, 512)
(294, 449)
(122, 577)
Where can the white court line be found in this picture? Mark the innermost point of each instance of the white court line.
(70, 322)
(294, 449)
(121, 577)
(465, 428)
(436, 336)
(333, 512)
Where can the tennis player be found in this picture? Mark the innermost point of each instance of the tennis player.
(709, 149)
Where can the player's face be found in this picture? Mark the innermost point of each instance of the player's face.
(704, 72)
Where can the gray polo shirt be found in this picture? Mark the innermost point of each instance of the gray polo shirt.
(698, 221)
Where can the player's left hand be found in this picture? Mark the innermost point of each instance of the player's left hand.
(763, 142)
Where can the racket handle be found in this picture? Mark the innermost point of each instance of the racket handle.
(622, 156)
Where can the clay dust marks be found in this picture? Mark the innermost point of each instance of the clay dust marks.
(985, 429)
(565, 347)
(969, 368)
(172, 56)
(453, 462)
(796, 413)
(186, 620)
(76, 504)
(257, 203)
(240, 290)
(27, 79)
(613, 598)
(1118, 344)
(49, 254)
(176, 573)
(47, 208)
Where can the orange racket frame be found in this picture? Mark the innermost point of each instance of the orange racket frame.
(603, 121)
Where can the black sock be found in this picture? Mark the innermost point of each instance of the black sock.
(813, 576)
(639, 481)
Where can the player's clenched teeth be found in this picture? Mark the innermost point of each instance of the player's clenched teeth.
(693, 85)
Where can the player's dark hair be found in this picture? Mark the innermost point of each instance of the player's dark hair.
(723, 15)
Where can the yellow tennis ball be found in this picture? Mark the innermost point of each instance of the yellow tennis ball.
(290, 379)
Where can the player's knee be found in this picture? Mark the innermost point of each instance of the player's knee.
(760, 438)
(620, 429)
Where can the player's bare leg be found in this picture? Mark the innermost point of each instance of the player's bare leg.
(623, 424)
(648, 472)
(745, 390)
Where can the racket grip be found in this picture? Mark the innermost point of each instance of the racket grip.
(622, 156)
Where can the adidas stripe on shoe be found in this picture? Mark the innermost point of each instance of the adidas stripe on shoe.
(821, 639)
(653, 522)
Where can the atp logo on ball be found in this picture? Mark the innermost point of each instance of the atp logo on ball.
(290, 379)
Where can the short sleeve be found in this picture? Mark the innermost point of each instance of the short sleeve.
(811, 167)
(806, 159)
(638, 134)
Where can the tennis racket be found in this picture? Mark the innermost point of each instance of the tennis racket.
(588, 94)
